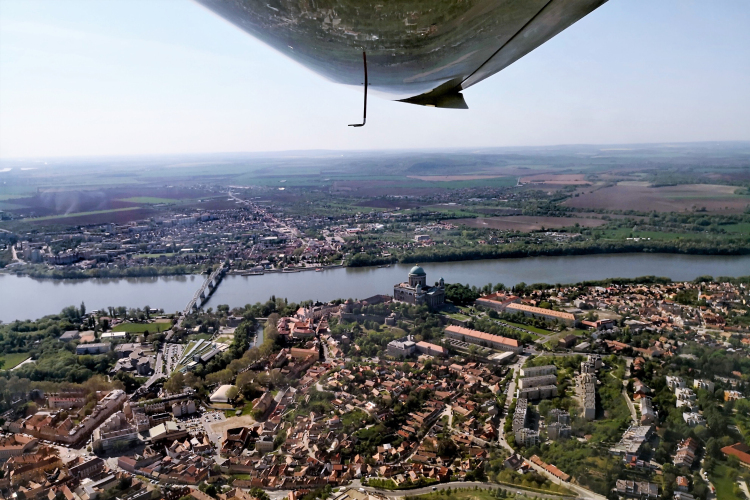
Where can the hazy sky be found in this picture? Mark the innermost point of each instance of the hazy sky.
(85, 77)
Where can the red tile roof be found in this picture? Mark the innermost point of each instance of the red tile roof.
(739, 450)
(460, 330)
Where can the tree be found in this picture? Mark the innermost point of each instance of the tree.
(447, 448)
(259, 494)
(175, 384)
(222, 377)
(83, 309)
(124, 483)
(232, 392)
(128, 381)
(473, 351)
(460, 294)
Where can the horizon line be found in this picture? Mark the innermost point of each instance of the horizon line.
(389, 150)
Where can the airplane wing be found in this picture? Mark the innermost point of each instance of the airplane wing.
(418, 51)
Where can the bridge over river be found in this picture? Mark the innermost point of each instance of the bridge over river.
(199, 298)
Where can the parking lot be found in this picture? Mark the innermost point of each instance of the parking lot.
(213, 431)
(217, 427)
(172, 354)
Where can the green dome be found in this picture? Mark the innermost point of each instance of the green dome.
(417, 271)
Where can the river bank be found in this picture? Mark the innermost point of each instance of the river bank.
(439, 253)
(418, 255)
(41, 271)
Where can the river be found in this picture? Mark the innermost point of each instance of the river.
(28, 298)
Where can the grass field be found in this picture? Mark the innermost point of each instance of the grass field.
(13, 359)
(141, 327)
(533, 329)
(199, 336)
(740, 228)
(576, 332)
(457, 316)
(724, 485)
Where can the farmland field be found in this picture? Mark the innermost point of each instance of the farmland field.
(141, 327)
(560, 179)
(643, 198)
(526, 223)
(622, 233)
(387, 203)
(417, 185)
(117, 216)
(80, 214)
(149, 200)
(451, 178)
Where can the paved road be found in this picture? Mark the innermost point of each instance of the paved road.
(157, 370)
(633, 414)
(15, 255)
(743, 487)
(704, 475)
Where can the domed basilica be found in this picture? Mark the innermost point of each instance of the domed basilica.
(416, 291)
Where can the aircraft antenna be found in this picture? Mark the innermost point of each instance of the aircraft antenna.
(364, 113)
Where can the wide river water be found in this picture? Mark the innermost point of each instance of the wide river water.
(28, 298)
